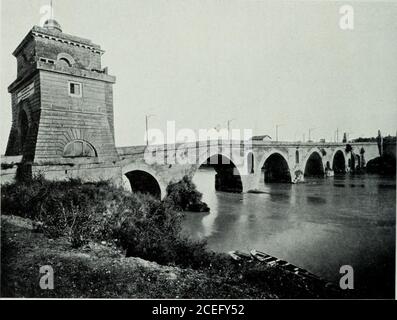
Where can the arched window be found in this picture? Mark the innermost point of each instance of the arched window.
(79, 148)
(297, 156)
(65, 61)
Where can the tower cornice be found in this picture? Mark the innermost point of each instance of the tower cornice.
(74, 72)
(37, 31)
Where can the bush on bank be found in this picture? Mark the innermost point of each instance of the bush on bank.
(183, 195)
(83, 212)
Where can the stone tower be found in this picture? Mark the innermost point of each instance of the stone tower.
(62, 101)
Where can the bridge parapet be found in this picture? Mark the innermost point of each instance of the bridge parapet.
(182, 146)
(244, 145)
(308, 144)
(130, 150)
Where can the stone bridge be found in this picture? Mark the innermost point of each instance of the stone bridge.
(240, 166)
(63, 127)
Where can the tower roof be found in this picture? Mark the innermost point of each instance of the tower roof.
(52, 24)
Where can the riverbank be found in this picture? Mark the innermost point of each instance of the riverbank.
(105, 242)
(101, 271)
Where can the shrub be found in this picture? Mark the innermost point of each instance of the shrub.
(191, 254)
(77, 210)
(183, 195)
(148, 230)
(142, 225)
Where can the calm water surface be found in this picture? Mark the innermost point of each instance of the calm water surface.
(319, 225)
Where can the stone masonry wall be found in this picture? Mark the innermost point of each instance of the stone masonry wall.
(65, 118)
(31, 106)
(84, 58)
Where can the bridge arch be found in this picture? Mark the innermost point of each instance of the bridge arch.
(313, 164)
(338, 161)
(141, 178)
(275, 168)
(228, 176)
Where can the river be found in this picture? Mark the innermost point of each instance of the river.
(319, 225)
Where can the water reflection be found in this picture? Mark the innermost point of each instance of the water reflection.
(319, 225)
(316, 200)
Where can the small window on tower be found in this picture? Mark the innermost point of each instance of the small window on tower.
(75, 89)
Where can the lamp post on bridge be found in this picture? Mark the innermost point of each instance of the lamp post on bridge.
(147, 116)
(228, 127)
(348, 135)
(336, 135)
(310, 132)
(277, 126)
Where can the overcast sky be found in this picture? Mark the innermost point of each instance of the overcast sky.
(201, 63)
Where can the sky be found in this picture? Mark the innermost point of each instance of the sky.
(202, 63)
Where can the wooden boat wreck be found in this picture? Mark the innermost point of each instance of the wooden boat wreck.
(273, 261)
(269, 260)
(240, 256)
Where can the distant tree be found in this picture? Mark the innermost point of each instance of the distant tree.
(389, 139)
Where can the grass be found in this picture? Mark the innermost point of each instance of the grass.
(100, 271)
